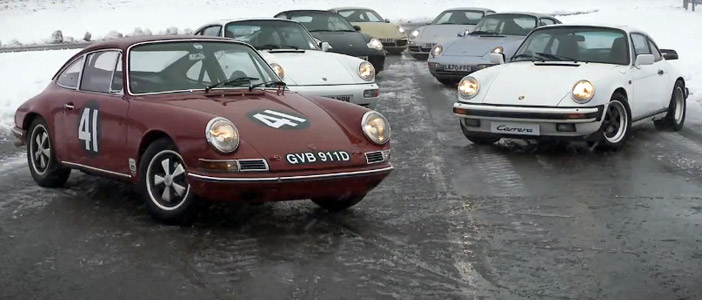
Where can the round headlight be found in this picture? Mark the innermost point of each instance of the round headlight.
(376, 127)
(400, 29)
(414, 34)
(438, 49)
(222, 135)
(375, 44)
(278, 70)
(583, 91)
(468, 87)
(498, 50)
(366, 71)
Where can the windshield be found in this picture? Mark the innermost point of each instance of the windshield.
(459, 17)
(181, 66)
(361, 15)
(271, 35)
(320, 21)
(506, 24)
(582, 44)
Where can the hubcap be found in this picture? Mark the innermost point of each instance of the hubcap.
(40, 149)
(615, 122)
(679, 105)
(167, 185)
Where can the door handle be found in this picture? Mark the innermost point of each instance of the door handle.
(69, 106)
(661, 72)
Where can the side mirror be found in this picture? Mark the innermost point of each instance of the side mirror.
(357, 28)
(427, 23)
(387, 20)
(497, 58)
(669, 54)
(325, 46)
(644, 60)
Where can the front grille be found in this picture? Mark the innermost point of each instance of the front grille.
(377, 156)
(414, 48)
(401, 43)
(252, 165)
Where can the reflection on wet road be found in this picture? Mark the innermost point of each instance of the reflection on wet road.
(454, 221)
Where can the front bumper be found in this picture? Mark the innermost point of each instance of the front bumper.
(558, 122)
(456, 67)
(355, 91)
(273, 187)
(420, 47)
(394, 44)
(19, 134)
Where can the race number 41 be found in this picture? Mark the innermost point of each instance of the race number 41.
(88, 129)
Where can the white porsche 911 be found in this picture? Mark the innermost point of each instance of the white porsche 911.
(574, 82)
(301, 61)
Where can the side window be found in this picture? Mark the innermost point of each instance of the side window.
(69, 76)
(654, 49)
(98, 70)
(545, 21)
(116, 87)
(213, 31)
(640, 44)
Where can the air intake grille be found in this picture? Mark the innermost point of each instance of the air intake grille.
(251, 165)
(377, 156)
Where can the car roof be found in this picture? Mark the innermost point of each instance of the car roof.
(226, 21)
(125, 43)
(469, 8)
(538, 15)
(305, 10)
(350, 7)
(625, 28)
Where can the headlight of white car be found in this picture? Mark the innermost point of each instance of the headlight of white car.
(468, 87)
(222, 135)
(583, 91)
(401, 29)
(376, 127)
(366, 71)
(375, 44)
(437, 50)
(414, 34)
(278, 70)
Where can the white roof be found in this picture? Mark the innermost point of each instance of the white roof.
(625, 28)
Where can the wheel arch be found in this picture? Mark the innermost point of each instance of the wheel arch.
(621, 91)
(149, 138)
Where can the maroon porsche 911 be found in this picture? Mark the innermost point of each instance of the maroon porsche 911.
(190, 118)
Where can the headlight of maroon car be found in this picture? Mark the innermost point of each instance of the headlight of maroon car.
(222, 135)
(376, 127)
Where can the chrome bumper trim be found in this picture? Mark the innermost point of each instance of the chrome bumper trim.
(290, 178)
(518, 109)
(572, 121)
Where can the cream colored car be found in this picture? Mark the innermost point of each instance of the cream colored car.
(393, 36)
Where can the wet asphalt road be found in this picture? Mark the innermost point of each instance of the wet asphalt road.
(454, 221)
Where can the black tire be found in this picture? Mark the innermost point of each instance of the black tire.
(420, 56)
(163, 184)
(478, 140)
(43, 165)
(613, 135)
(448, 82)
(675, 119)
(335, 204)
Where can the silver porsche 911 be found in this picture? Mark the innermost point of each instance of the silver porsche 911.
(496, 33)
(447, 26)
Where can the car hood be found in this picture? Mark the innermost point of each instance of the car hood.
(541, 84)
(350, 43)
(381, 30)
(319, 132)
(440, 33)
(329, 68)
(480, 45)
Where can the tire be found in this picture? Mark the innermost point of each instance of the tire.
(163, 184)
(420, 56)
(335, 204)
(448, 82)
(675, 119)
(43, 165)
(614, 134)
(478, 140)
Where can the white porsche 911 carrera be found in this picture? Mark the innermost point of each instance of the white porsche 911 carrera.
(301, 61)
(574, 82)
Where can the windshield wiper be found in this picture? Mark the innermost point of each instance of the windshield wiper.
(319, 30)
(524, 55)
(484, 32)
(268, 83)
(239, 80)
(556, 57)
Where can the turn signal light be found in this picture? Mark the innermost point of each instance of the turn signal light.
(219, 165)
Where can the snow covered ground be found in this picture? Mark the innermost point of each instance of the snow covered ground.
(23, 75)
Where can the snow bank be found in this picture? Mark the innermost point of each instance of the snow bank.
(23, 75)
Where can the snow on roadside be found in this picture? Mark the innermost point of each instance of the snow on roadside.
(23, 75)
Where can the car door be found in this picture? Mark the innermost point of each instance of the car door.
(646, 82)
(67, 80)
(665, 81)
(96, 122)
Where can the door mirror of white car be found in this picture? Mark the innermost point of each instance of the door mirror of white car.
(325, 46)
(644, 60)
(669, 54)
(387, 20)
(497, 58)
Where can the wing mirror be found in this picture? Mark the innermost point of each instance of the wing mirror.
(325, 46)
(669, 54)
(644, 60)
(357, 28)
(497, 58)
(387, 20)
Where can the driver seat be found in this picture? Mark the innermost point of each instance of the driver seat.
(618, 52)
